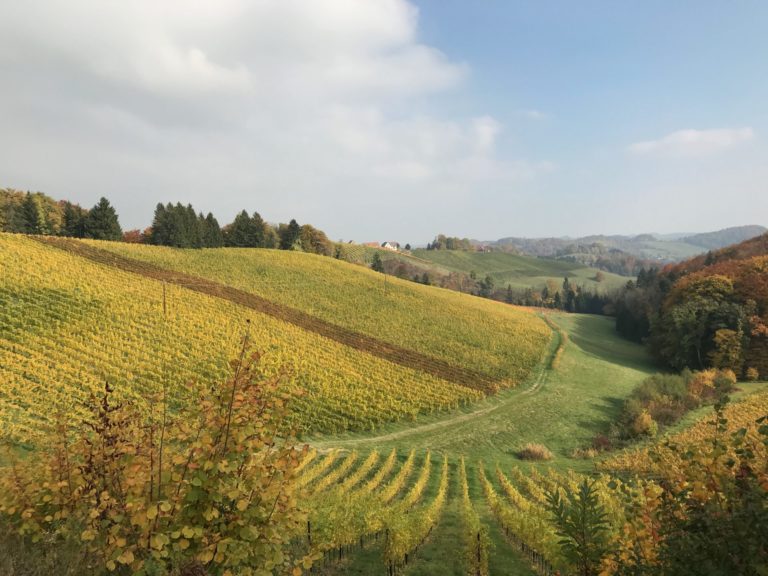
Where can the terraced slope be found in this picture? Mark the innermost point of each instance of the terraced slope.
(68, 324)
(494, 345)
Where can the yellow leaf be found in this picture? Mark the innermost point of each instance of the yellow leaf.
(126, 557)
(165, 506)
(297, 571)
(242, 505)
(152, 512)
(205, 556)
(183, 543)
(87, 535)
(188, 532)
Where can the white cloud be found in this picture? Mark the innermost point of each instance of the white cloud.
(694, 142)
(285, 106)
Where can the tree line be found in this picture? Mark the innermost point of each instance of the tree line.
(443, 242)
(172, 225)
(36, 213)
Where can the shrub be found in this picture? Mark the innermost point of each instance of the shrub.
(752, 374)
(210, 488)
(602, 443)
(534, 451)
(644, 425)
(662, 399)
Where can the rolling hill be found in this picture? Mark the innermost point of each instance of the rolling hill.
(653, 247)
(75, 315)
(519, 271)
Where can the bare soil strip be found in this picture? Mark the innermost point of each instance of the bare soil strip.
(375, 347)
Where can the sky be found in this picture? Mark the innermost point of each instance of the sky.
(395, 119)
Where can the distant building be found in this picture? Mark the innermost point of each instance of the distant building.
(371, 244)
(394, 246)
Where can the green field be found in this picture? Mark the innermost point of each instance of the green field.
(561, 408)
(518, 271)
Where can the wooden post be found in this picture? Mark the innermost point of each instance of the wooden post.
(478, 554)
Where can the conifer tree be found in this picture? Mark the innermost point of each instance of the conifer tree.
(102, 222)
(240, 232)
(289, 235)
(212, 235)
(377, 265)
(73, 220)
(35, 221)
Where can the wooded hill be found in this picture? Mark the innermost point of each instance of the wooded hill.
(709, 311)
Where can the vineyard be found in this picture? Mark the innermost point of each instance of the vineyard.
(68, 324)
(377, 514)
(496, 343)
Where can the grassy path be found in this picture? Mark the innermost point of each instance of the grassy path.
(563, 408)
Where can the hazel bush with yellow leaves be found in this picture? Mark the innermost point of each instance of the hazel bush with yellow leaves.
(209, 488)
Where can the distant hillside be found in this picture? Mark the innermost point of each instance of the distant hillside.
(627, 254)
(519, 271)
(725, 237)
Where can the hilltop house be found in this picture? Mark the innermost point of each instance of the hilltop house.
(394, 246)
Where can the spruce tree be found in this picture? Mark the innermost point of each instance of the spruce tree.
(259, 231)
(212, 235)
(73, 221)
(159, 234)
(510, 298)
(240, 232)
(102, 222)
(193, 232)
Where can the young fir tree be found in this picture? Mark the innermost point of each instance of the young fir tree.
(582, 524)
(102, 222)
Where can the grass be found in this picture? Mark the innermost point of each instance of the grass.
(562, 408)
(518, 271)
